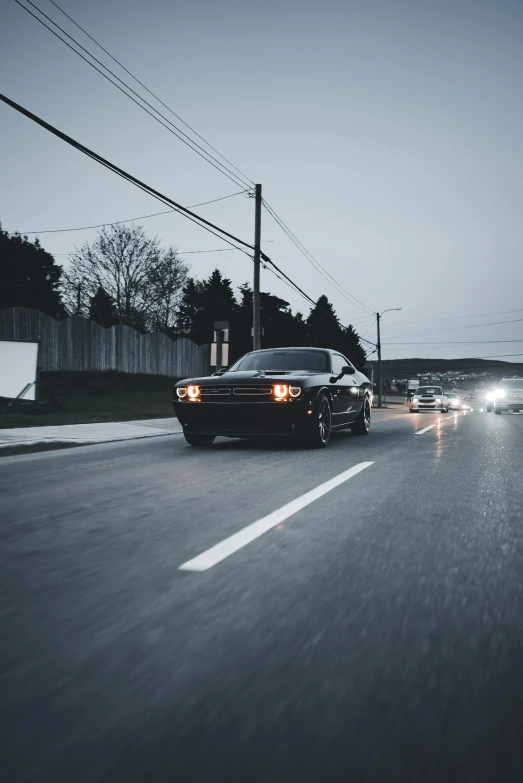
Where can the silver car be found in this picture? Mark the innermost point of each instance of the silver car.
(429, 398)
(509, 395)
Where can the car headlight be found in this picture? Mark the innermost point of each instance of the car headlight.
(438, 399)
(280, 391)
(181, 392)
(193, 392)
(500, 393)
(295, 391)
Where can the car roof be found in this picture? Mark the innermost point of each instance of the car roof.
(296, 348)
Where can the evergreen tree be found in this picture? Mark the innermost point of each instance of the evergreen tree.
(29, 276)
(323, 326)
(102, 308)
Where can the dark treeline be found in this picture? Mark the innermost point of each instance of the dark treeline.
(126, 277)
(206, 301)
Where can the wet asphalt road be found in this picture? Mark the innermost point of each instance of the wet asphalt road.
(375, 635)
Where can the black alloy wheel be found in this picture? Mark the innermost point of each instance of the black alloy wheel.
(194, 439)
(320, 434)
(362, 424)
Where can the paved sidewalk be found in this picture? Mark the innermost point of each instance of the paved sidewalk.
(77, 434)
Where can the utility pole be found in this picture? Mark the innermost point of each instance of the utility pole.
(256, 319)
(378, 346)
(78, 298)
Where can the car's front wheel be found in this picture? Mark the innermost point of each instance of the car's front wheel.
(319, 436)
(497, 410)
(362, 424)
(193, 439)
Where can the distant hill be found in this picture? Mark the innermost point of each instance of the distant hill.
(405, 368)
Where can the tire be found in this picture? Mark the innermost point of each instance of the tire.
(489, 408)
(445, 410)
(320, 434)
(362, 424)
(498, 411)
(198, 440)
(414, 411)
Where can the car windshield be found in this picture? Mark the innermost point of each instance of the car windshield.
(452, 396)
(429, 390)
(511, 383)
(309, 361)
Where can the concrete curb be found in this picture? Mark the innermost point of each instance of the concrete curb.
(27, 440)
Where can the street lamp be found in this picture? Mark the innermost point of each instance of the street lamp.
(378, 346)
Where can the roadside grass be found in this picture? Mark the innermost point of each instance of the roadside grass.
(88, 397)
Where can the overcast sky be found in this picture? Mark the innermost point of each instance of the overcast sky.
(388, 135)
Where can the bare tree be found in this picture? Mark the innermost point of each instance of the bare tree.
(133, 270)
(167, 281)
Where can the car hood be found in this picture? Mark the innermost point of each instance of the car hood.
(250, 376)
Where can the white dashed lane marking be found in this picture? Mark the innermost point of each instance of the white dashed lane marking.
(230, 545)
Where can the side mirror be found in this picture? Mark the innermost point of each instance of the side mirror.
(221, 372)
(347, 370)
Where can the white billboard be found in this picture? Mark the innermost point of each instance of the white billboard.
(18, 368)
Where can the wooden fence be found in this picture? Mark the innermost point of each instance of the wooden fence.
(78, 344)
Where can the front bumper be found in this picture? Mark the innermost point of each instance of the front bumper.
(242, 419)
(508, 405)
(427, 406)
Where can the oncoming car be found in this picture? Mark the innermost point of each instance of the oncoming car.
(429, 398)
(509, 395)
(303, 392)
(490, 398)
(454, 402)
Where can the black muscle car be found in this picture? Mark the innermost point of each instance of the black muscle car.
(305, 392)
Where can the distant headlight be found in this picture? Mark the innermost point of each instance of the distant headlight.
(280, 391)
(193, 392)
(181, 392)
(295, 391)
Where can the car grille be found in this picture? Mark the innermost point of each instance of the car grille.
(236, 393)
(214, 391)
(252, 391)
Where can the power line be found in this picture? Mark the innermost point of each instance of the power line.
(160, 197)
(457, 328)
(152, 93)
(121, 173)
(129, 220)
(459, 342)
(190, 142)
(180, 252)
(458, 317)
(314, 262)
(302, 293)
